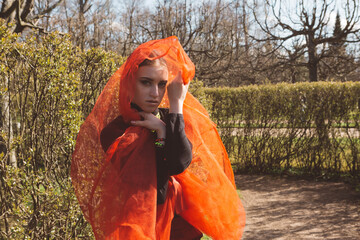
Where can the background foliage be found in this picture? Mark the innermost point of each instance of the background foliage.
(48, 86)
(232, 42)
(314, 127)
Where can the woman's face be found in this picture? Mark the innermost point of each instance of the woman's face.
(150, 86)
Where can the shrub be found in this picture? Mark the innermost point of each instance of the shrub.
(47, 87)
(312, 126)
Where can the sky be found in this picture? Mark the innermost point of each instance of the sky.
(288, 9)
(337, 5)
(288, 5)
(289, 13)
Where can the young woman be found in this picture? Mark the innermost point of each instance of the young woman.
(148, 162)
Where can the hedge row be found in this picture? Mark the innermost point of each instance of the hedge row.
(313, 127)
(47, 87)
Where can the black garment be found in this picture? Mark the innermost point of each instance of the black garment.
(171, 160)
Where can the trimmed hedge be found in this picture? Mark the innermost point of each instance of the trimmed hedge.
(313, 127)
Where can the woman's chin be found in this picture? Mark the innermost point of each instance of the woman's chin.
(149, 109)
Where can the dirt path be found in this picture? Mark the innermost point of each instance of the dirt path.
(289, 208)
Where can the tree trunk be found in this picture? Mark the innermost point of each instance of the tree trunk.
(82, 24)
(245, 26)
(7, 11)
(313, 61)
(312, 66)
(8, 125)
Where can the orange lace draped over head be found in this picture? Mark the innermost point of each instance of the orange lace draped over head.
(116, 189)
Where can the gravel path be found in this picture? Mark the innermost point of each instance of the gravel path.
(289, 208)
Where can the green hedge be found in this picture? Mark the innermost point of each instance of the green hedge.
(313, 127)
(47, 86)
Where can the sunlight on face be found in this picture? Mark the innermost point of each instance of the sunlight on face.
(150, 86)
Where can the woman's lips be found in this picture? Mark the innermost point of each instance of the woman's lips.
(152, 102)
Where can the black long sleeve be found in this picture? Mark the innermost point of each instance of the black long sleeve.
(178, 148)
(177, 154)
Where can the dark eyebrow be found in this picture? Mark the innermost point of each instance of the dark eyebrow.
(150, 79)
(146, 78)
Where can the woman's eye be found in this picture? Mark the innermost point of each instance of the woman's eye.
(146, 82)
(162, 84)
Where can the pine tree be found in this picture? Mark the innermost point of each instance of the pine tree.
(339, 63)
(337, 33)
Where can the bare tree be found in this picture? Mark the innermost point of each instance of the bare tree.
(23, 14)
(340, 61)
(210, 31)
(308, 26)
(90, 23)
(130, 16)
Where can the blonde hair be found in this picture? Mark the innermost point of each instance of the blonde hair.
(152, 62)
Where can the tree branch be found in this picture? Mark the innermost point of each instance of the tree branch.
(7, 12)
(51, 8)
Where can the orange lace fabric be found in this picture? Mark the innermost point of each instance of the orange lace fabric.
(116, 189)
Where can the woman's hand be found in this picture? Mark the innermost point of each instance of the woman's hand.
(151, 122)
(177, 92)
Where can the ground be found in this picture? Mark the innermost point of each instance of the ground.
(293, 208)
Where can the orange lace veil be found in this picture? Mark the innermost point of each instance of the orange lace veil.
(116, 190)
